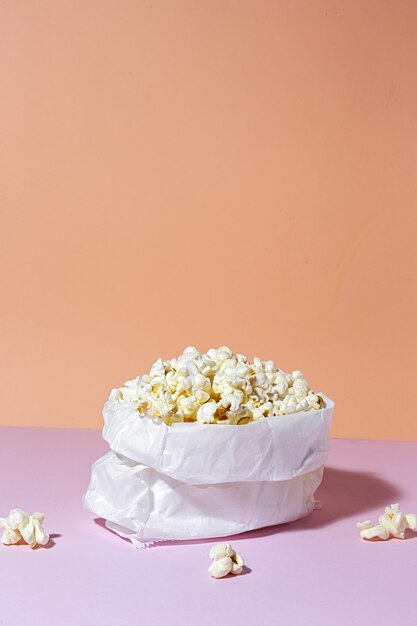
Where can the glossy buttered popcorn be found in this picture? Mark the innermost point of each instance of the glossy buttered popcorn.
(218, 387)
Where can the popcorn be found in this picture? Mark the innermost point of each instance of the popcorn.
(237, 564)
(221, 550)
(206, 412)
(224, 561)
(393, 522)
(220, 567)
(19, 525)
(217, 387)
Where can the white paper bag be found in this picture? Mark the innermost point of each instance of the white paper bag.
(193, 481)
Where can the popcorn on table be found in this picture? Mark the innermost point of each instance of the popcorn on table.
(393, 522)
(218, 387)
(20, 525)
(224, 561)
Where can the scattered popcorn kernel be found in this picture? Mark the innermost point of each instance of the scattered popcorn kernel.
(411, 521)
(392, 523)
(9, 536)
(18, 519)
(237, 564)
(19, 525)
(221, 550)
(369, 531)
(224, 561)
(220, 567)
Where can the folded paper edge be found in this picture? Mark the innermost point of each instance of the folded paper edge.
(127, 417)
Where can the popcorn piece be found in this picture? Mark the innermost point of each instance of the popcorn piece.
(411, 521)
(34, 533)
(237, 564)
(221, 550)
(9, 536)
(393, 522)
(369, 531)
(218, 387)
(205, 413)
(224, 561)
(18, 519)
(19, 525)
(221, 567)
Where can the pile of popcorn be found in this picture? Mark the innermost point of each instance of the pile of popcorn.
(218, 387)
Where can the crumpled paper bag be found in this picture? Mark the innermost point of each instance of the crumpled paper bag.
(194, 481)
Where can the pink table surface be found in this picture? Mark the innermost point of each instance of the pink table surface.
(316, 571)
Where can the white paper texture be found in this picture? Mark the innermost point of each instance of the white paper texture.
(142, 504)
(276, 448)
(194, 481)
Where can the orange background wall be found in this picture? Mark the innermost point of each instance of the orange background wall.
(208, 172)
